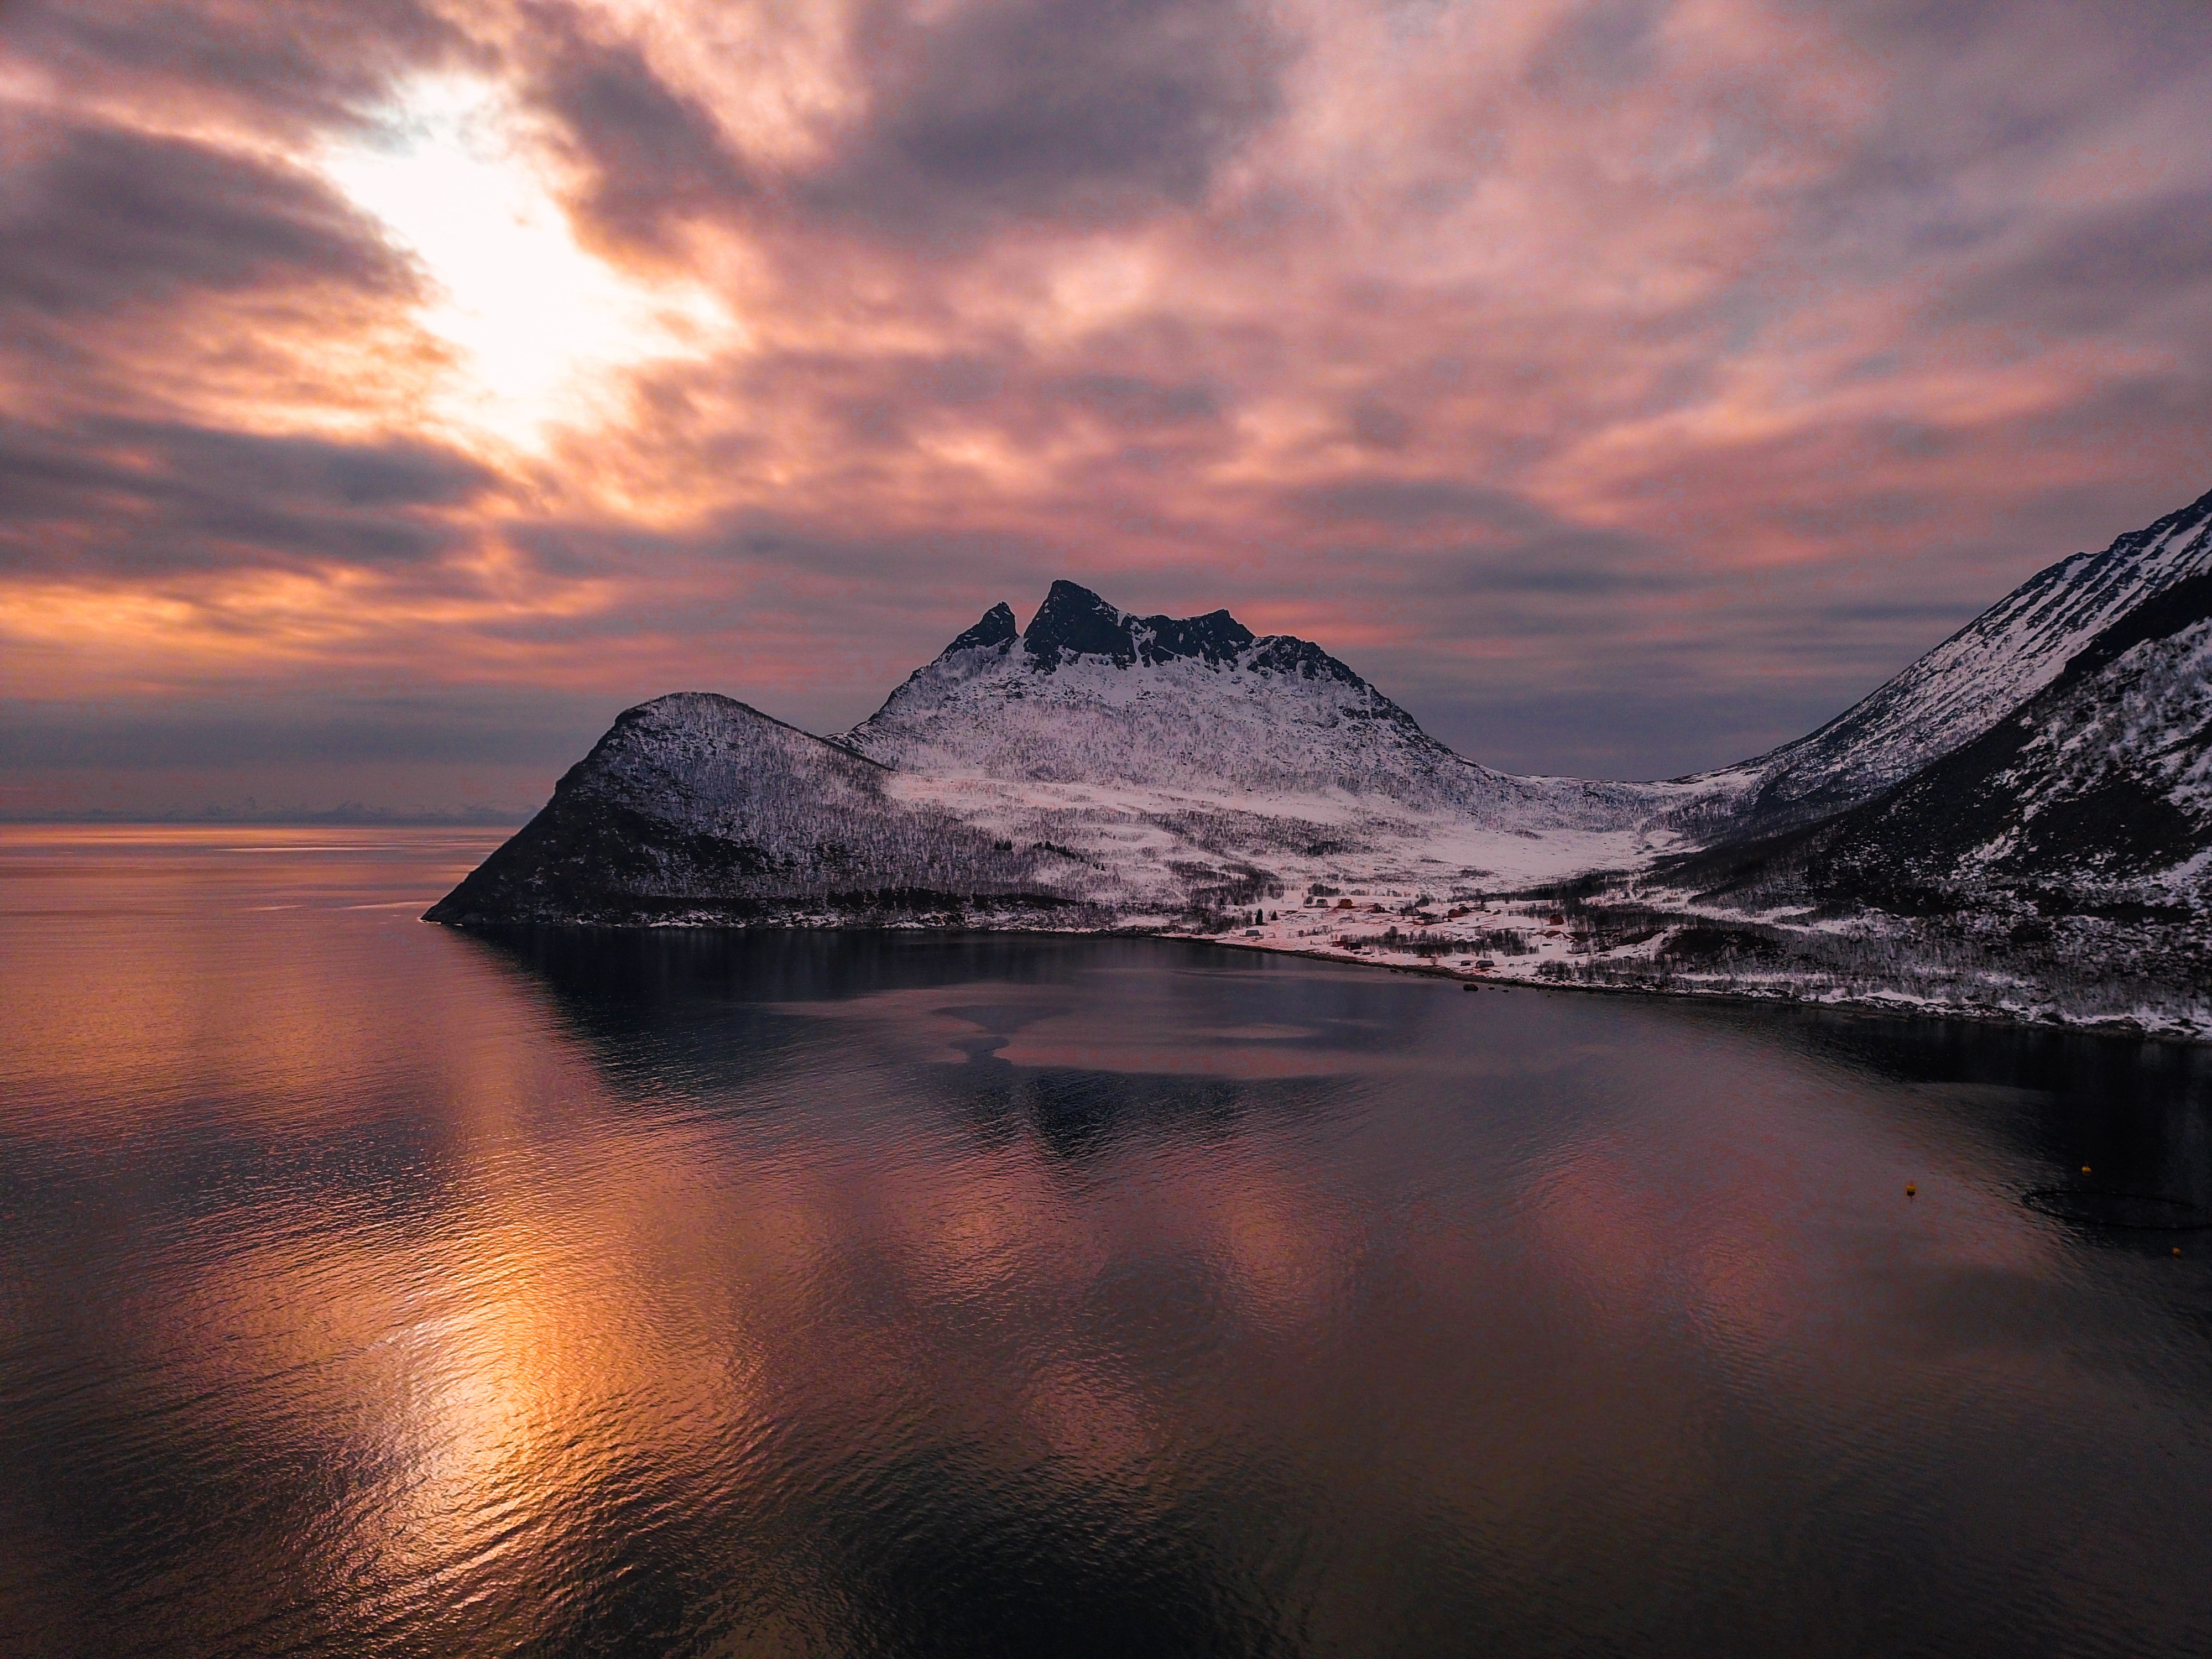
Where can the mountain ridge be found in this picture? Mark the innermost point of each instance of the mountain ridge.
(1199, 705)
(1099, 768)
(1965, 684)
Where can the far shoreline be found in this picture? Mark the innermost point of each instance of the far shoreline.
(1474, 979)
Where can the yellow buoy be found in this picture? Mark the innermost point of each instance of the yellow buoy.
(2085, 1169)
(2177, 1249)
(1909, 1189)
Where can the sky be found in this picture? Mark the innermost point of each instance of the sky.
(396, 390)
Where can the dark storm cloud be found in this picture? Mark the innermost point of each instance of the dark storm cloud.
(655, 157)
(143, 497)
(1087, 111)
(299, 63)
(95, 218)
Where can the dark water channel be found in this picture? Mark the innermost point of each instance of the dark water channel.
(367, 1288)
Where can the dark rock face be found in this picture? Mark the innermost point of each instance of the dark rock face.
(2159, 617)
(1075, 619)
(1217, 637)
(1282, 654)
(996, 628)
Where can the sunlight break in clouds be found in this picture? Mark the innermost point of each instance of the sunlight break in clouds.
(542, 331)
(1624, 386)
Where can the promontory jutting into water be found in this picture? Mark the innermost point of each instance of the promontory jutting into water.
(2018, 822)
(392, 1290)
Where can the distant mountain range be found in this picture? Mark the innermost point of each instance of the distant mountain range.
(2034, 793)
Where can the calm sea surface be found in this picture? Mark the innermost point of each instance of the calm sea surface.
(368, 1288)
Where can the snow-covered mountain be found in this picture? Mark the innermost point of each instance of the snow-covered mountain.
(2095, 793)
(1966, 684)
(698, 808)
(1202, 707)
(1186, 760)
(2048, 768)
(2058, 865)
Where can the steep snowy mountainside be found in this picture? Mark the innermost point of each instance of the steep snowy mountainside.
(695, 806)
(2095, 792)
(1970, 682)
(1092, 695)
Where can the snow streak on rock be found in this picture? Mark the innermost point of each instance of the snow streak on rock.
(2096, 792)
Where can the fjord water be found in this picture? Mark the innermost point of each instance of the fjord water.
(377, 1289)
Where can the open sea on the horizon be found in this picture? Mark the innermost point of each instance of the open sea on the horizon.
(373, 1288)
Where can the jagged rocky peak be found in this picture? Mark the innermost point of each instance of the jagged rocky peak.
(1073, 618)
(1091, 694)
(1075, 621)
(997, 627)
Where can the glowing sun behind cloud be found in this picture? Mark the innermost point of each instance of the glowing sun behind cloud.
(541, 330)
(395, 389)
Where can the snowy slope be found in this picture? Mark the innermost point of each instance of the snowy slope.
(2097, 790)
(1202, 709)
(696, 807)
(2057, 866)
(1971, 680)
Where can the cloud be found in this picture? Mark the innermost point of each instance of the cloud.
(1081, 112)
(1408, 503)
(1134, 403)
(2100, 268)
(295, 68)
(102, 217)
(653, 158)
(1598, 48)
(225, 730)
(144, 497)
(1607, 378)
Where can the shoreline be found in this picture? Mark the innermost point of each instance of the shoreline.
(1867, 1007)
(1898, 1007)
